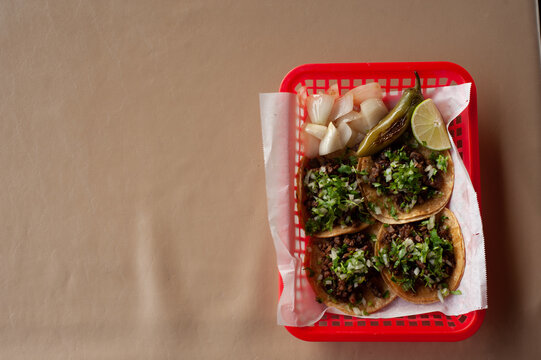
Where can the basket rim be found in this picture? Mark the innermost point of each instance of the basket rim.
(291, 79)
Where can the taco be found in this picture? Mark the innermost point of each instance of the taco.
(342, 273)
(424, 261)
(406, 182)
(329, 197)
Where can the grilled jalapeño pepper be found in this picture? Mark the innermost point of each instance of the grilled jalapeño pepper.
(394, 123)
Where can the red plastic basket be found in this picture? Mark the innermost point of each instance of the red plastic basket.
(393, 77)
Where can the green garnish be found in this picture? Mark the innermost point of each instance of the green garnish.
(404, 177)
(353, 269)
(422, 261)
(456, 292)
(393, 212)
(309, 271)
(371, 206)
(440, 160)
(441, 163)
(345, 169)
(335, 199)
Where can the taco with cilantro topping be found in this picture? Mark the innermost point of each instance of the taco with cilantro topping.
(424, 261)
(329, 197)
(343, 275)
(406, 182)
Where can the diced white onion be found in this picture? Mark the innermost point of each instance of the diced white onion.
(359, 123)
(315, 130)
(385, 260)
(341, 107)
(373, 111)
(440, 296)
(364, 92)
(347, 118)
(333, 91)
(346, 134)
(445, 292)
(430, 170)
(320, 277)
(431, 222)
(310, 145)
(448, 263)
(357, 311)
(319, 107)
(363, 301)
(331, 142)
(328, 282)
(356, 138)
(377, 210)
(408, 242)
(416, 271)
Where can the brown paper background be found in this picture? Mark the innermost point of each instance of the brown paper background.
(133, 211)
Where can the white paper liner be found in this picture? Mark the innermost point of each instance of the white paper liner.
(297, 307)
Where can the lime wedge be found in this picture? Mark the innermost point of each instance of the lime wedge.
(428, 127)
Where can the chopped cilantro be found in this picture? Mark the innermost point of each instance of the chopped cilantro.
(421, 262)
(353, 268)
(309, 271)
(345, 169)
(393, 212)
(334, 197)
(439, 160)
(402, 177)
